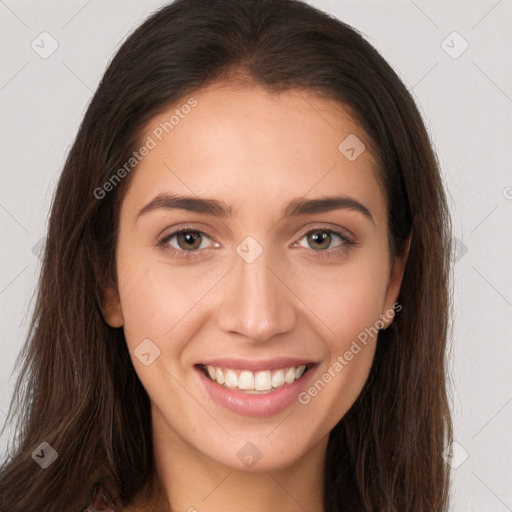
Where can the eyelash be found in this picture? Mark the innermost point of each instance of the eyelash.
(329, 254)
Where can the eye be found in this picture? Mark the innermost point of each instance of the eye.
(189, 243)
(185, 240)
(321, 239)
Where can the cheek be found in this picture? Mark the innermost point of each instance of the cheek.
(144, 299)
(153, 294)
(156, 305)
(162, 302)
(345, 298)
(349, 306)
(346, 302)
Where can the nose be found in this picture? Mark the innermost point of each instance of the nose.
(256, 301)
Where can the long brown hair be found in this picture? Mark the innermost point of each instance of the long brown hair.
(77, 389)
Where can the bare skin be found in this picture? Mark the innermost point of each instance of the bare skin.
(301, 296)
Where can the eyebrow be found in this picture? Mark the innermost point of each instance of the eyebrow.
(296, 207)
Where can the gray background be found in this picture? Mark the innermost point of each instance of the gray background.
(465, 98)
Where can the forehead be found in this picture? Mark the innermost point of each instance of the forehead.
(247, 147)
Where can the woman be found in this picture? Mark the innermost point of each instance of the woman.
(244, 296)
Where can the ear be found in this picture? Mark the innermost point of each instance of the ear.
(111, 307)
(395, 282)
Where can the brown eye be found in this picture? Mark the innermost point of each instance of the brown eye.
(189, 240)
(327, 242)
(319, 239)
(186, 240)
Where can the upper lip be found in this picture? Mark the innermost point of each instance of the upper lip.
(256, 364)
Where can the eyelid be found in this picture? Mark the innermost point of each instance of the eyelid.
(172, 230)
(338, 230)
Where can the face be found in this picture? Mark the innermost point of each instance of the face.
(273, 292)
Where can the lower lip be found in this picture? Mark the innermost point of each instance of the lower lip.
(259, 405)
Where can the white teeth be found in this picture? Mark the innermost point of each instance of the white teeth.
(255, 382)
(263, 381)
(231, 379)
(246, 380)
(278, 379)
(289, 376)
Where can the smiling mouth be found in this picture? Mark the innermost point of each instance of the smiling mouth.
(257, 382)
